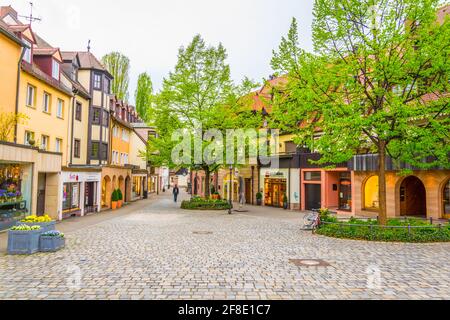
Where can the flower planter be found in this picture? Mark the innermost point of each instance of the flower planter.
(45, 226)
(51, 244)
(114, 205)
(23, 242)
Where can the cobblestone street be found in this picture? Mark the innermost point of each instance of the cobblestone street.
(158, 251)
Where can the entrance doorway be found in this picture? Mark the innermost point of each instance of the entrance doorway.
(413, 197)
(313, 195)
(248, 191)
(275, 189)
(90, 204)
(42, 182)
(345, 193)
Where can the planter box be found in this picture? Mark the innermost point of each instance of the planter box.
(23, 242)
(51, 244)
(45, 226)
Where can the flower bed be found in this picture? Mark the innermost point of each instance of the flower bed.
(23, 239)
(52, 241)
(45, 222)
(397, 230)
(205, 204)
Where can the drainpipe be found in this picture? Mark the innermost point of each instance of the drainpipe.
(253, 185)
(19, 67)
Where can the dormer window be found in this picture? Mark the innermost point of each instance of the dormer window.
(27, 51)
(55, 69)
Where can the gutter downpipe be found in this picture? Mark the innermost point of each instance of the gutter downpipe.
(19, 67)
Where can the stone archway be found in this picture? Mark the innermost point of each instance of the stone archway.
(370, 193)
(413, 197)
(122, 185)
(446, 200)
(106, 192)
(127, 193)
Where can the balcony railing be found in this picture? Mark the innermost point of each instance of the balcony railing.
(369, 162)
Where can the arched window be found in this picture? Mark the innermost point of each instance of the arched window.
(447, 198)
(371, 197)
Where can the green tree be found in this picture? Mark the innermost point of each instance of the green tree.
(8, 121)
(143, 96)
(377, 82)
(119, 66)
(196, 97)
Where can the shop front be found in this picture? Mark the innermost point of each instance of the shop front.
(139, 186)
(80, 192)
(275, 189)
(331, 189)
(15, 193)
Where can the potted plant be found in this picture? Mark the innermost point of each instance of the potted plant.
(120, 196)
(23, 239)
(114, 200)
(52, 241)
(285, 202)
(45, 222)
(259, 197)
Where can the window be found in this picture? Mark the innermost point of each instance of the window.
(58, 145)
(29, 138)
(96, 116)
(31, 96)
(60, 109)
(104, 153)
(78, 110)
(97, 81)
(105, 118)
(107, 86)
(94, 150)
(313, 176)
(55, 69)
(27, 51)
(447, 198)
(77, 148)
(71, 197)
(46, 104)
(125, 136)
(44, 142)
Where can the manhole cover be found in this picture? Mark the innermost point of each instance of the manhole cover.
(202, 232)
(309, 263)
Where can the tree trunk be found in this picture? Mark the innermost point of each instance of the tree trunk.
(207, 183)
(383, 220)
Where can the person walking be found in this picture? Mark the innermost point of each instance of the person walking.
(176, 192)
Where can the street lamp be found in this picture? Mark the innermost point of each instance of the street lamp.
(230, 191)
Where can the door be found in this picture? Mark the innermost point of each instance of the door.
(89, 198)
(248, 191)
(313, 194)
(345, 195)
(40, 210)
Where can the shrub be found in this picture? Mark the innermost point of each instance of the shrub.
(259, 196)
(371, 231)
(115, 196)
(36, 219)
(120, 194)
(198, 203)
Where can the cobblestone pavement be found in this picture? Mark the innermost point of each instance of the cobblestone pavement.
(162, 252)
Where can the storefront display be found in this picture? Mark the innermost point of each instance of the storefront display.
(15, 193)
(345, 192)
(137, 187)
(274, 192)
(71, 199)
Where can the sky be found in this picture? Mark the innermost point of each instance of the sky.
(151, 32)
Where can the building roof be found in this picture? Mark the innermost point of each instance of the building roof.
(6, 31)
(36, 72)
(87, 60)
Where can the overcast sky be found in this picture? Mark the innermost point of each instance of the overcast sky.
(150, 32)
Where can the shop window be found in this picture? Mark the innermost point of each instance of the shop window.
(371, 197)
(313, 176)
(71, 197)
